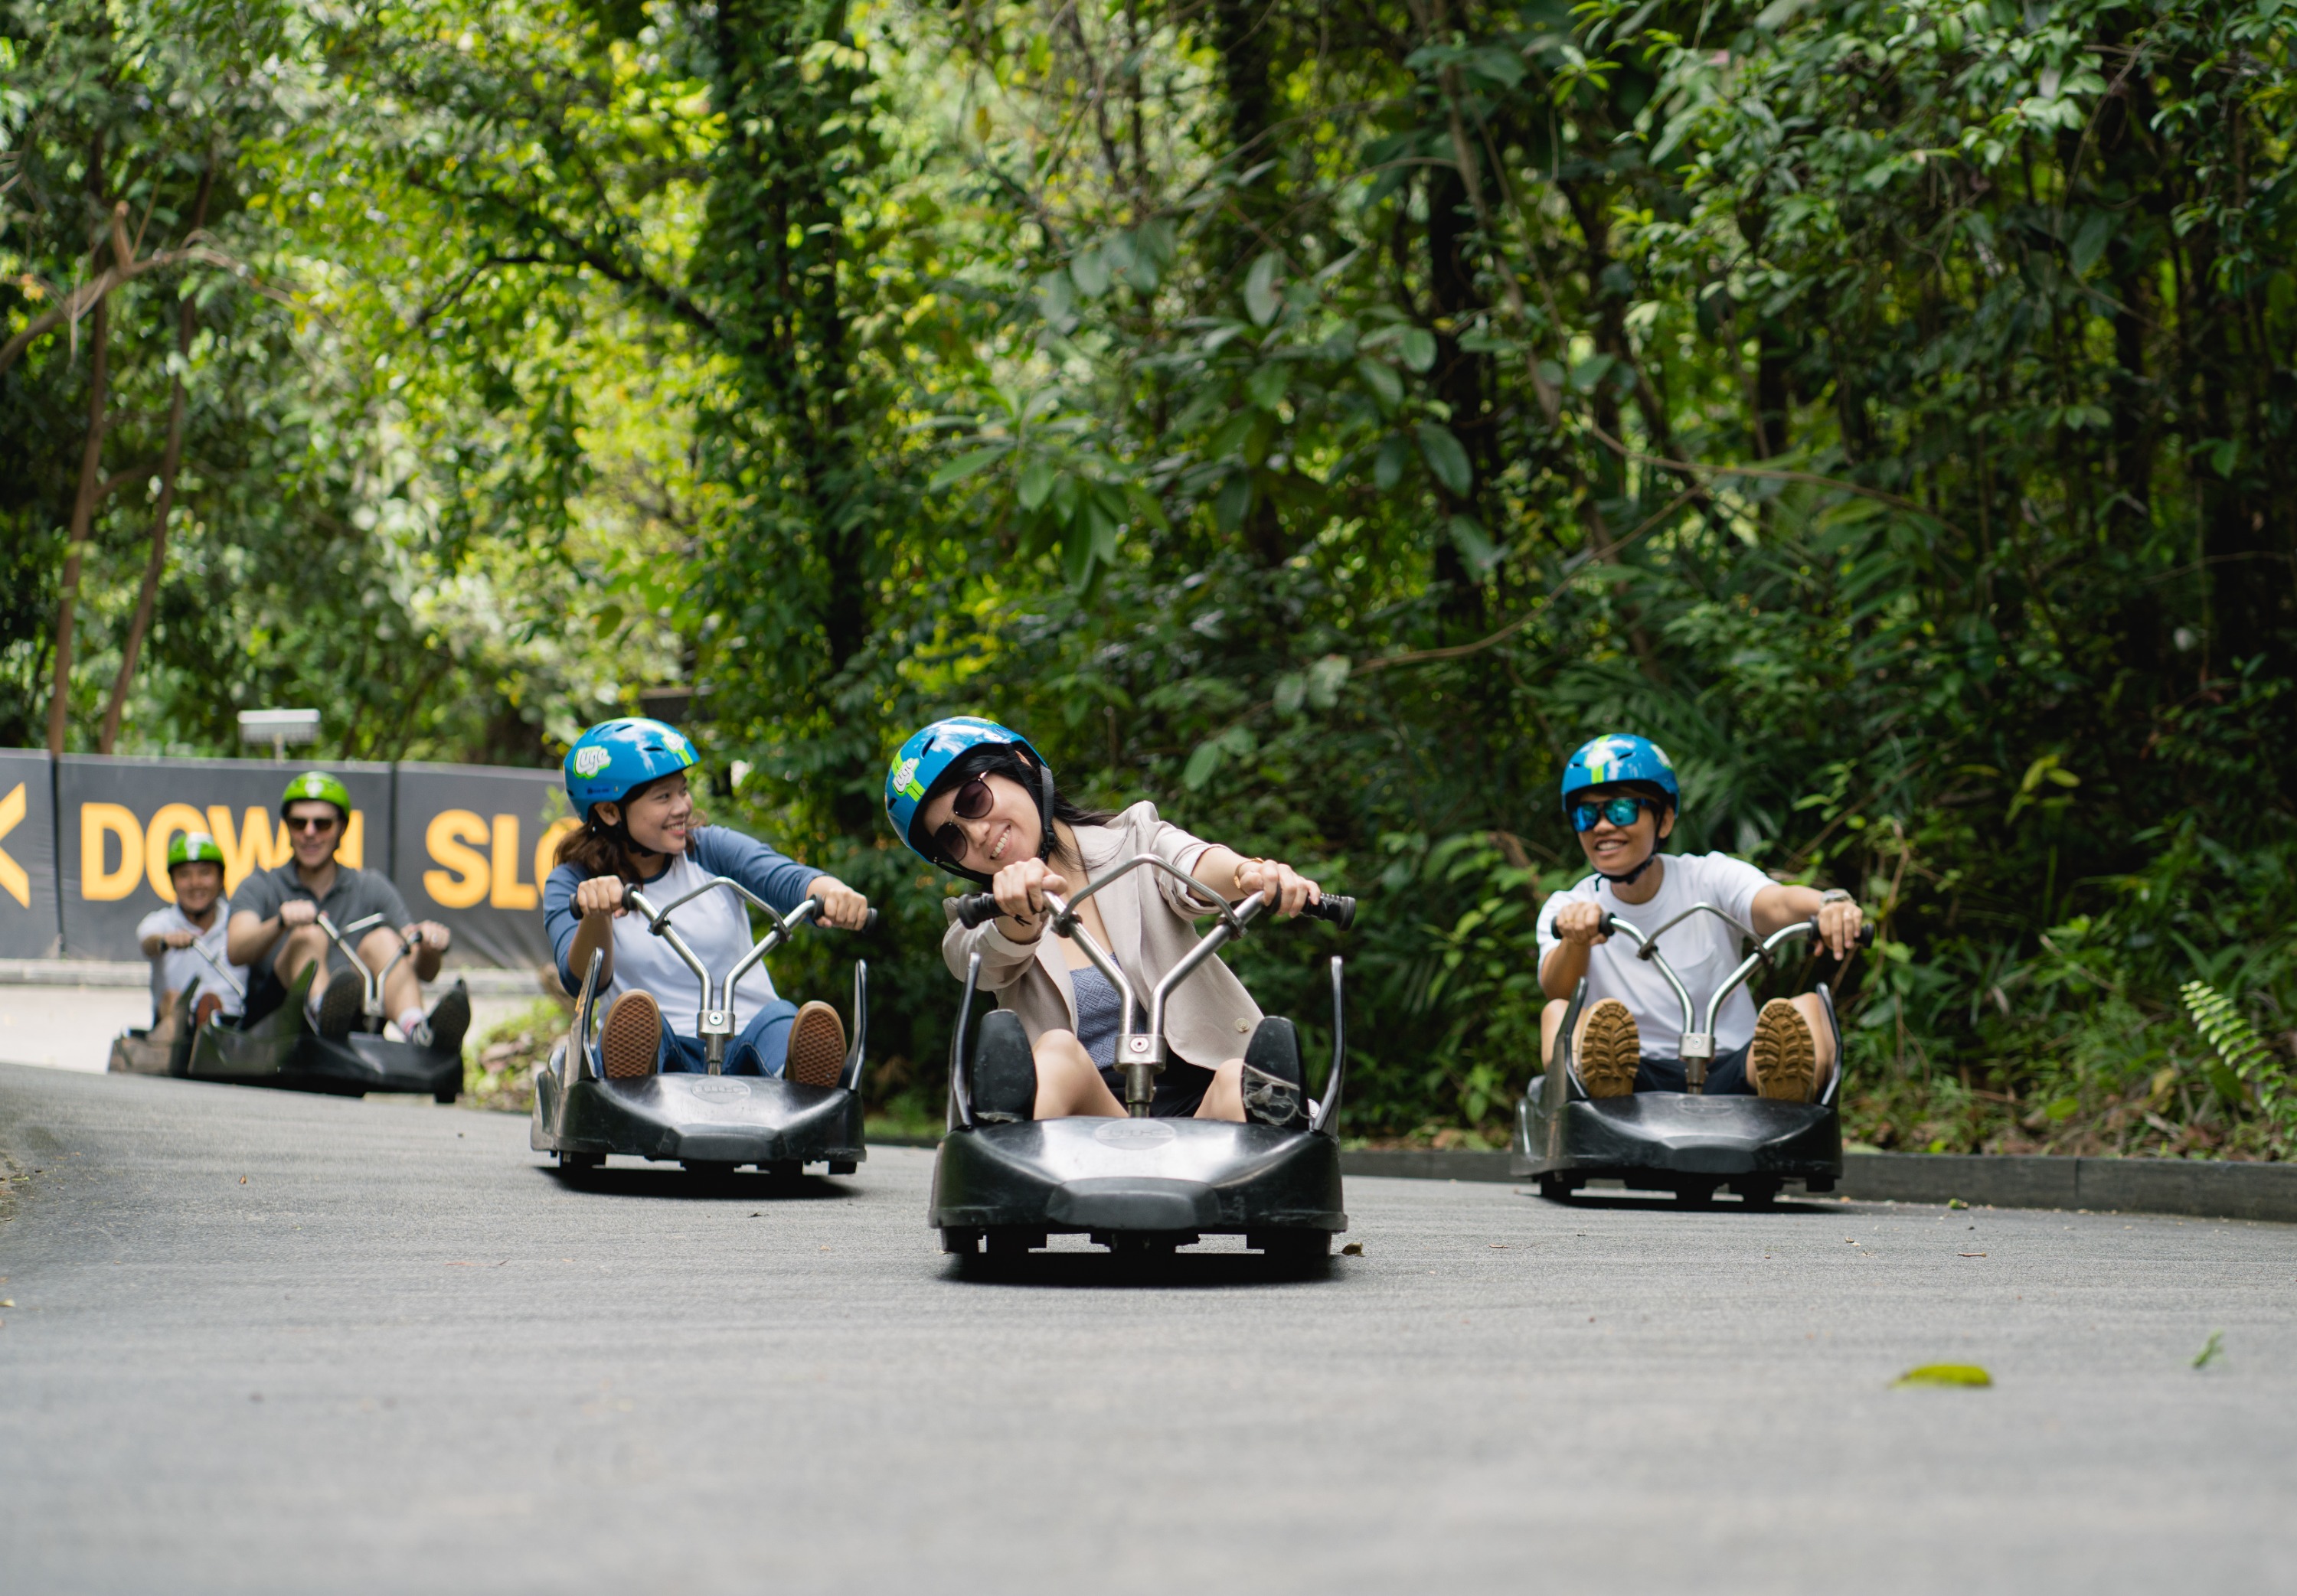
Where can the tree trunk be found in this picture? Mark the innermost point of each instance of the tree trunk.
(141, 622)
(91, 479)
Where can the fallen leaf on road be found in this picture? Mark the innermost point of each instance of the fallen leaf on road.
(242, 1180)
(1945, 1374)
(1355, 1250)
(2212, 1350)
(1955, 1203)
(1970, 1255)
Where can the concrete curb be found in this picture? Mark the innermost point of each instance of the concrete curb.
(2202, 1189)
(2198, 1188)
(484, 981)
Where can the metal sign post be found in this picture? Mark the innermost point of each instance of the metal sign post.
(278, 727)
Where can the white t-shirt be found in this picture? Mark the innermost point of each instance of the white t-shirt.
(716, 925)
(1703, 949)
(174, 969)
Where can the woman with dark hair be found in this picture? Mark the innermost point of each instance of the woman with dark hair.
(976, 799)
(627, 780)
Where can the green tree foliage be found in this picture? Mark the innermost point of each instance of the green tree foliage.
(1320, 422)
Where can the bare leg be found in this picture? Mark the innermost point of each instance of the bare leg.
(1814, 1014)
(306, 944)
(1225, 1098)
(401, 989)
(1551, 1026)
(1068, 1083)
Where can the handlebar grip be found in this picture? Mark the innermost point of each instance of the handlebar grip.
(1864, 939)
(1611, 924)
(1339, 910)
(871, 923)
(973, 907)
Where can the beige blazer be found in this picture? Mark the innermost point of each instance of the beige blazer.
(1209, 1017)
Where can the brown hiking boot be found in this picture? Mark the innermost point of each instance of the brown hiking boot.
(1783, 1060)
(817, 1047)
(1610, 1049)
(630, 1041)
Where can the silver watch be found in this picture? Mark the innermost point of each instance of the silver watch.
(1834, 894)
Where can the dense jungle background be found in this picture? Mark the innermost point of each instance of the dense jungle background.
(1318, 417)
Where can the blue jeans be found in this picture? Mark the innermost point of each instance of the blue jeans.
(760, 1047)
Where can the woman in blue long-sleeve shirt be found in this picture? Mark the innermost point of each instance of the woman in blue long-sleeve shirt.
(627, 781)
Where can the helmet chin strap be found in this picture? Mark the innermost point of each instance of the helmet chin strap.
(1630, 878)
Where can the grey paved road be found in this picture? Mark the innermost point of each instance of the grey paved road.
(262, 1343)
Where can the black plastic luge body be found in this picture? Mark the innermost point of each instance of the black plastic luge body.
(711, 1122)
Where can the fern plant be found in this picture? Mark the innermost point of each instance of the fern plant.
(2246, 1055)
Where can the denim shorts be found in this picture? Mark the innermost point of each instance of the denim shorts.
(1726, 1075)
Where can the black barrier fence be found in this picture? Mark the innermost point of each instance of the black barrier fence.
(84, 845)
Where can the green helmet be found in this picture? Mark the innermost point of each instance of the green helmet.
(192, 848)
(319, 784)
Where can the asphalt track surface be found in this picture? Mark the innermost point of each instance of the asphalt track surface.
(264, 1343)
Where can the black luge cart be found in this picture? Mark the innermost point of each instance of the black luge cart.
(714, 1122)
(1685, 1142)
(1139, 1185)
(282, 1050)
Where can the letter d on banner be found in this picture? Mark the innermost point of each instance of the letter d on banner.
(98, 821)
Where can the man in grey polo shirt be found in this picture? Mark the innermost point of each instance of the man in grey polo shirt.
(275, 930)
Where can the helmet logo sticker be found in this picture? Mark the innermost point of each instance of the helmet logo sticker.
(590, 761)
(904, 780)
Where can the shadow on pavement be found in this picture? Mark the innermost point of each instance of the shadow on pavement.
(1659, 1202)
(714, 1186)
(1108, 1271)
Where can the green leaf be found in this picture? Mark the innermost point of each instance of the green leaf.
(1381, 377)
(1475, 545)
(1261, 299)
(1324, 680)
(1388, 465)
(1446, 460)
(968, 463)
(1037, 478)
(1291, 692)
(1233, 502)
(1590, 372)
(1203, 765)
(1945, 1374)
(1267, 384)
(1419, 348)
(1090, 268)
(2090, 242)
(1056, 300)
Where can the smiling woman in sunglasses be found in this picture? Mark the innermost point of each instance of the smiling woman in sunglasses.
(976, 800)
(1620, 795)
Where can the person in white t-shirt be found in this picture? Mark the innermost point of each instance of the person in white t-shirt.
(175, 938)
(1620, 794)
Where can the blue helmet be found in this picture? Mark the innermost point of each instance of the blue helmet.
(614, 756)
(1616, 757)
(920, 761)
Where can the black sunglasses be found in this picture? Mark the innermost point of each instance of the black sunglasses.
(312, 822)
(970, 803)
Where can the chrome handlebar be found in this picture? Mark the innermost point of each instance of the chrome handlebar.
(715, 1022)
(1141, 1055)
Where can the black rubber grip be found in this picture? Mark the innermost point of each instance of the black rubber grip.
(1339, 910)
(871, 923)
(1866, 937)
(973, 907)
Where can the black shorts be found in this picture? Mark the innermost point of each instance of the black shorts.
(1179, 1090)
(1726, 1075)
